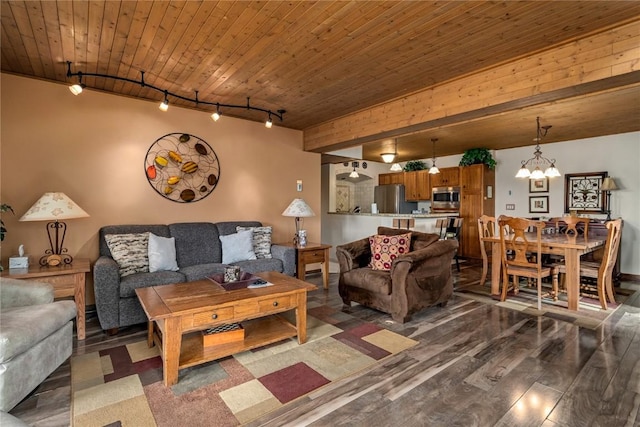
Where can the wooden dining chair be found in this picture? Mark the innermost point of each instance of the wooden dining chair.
(486, 228)
(571, 225)
(515, 240)
(601, 271)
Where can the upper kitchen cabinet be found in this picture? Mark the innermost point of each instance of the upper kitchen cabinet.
(477, 184)
(391, 178)
(417, 186)
(448, 177)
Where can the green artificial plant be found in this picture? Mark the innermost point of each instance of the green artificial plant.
(415, 165)
(3, 230)
(475, 156)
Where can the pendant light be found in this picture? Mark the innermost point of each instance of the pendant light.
(388, 157)
(434, 169)
(537, 160)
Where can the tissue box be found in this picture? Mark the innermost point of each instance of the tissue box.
(18, 262)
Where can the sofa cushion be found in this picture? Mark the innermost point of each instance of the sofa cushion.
(258, 265)
(384, 249)
(237, 247)
(202, 271)
(162, 253)
(130, 251)
(377, 281)
(261, 240)
(24, 327)
(230, 227)
(196, 243)
(157, 229)
(129, 284)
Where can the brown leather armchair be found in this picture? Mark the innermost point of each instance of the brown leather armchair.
(418, 279)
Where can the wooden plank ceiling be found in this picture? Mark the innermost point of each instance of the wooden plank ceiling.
(320, 60)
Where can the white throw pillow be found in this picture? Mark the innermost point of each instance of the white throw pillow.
(162, 253)
(237, 247)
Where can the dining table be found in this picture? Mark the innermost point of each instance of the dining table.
(571, 247)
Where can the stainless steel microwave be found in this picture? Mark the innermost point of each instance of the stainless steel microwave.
(445, 199)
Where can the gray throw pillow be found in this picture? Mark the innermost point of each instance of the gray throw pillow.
(130, 252)
(237, 247)
(261, 240)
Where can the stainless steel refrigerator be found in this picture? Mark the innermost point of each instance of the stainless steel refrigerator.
(390, 199)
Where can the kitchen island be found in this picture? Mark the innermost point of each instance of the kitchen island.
(339, 228)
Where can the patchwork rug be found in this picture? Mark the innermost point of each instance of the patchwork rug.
(589, 315)
(123, 385)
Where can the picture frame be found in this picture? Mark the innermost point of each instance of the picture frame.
(582, 192)
(539, 185)
(538, 204)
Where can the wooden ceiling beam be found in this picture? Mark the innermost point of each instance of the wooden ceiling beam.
(592, 64)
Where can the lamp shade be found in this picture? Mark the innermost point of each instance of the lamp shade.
(298, 208)
(388, 157)
(608, 184)
(54, 207)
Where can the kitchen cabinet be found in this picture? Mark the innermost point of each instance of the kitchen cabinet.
(417, 186)
(391, 178)
(448, 177)
(477, 185)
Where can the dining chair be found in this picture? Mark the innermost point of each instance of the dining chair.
(486, 228)
(515, 240)
(571, 224)
(601, 271)
(449, 228)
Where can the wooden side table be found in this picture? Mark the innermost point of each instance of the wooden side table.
(67, 281)
(311, 253)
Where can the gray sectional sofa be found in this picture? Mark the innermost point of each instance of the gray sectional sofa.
(198, 255)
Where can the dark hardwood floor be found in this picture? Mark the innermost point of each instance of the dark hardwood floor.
(475, 365)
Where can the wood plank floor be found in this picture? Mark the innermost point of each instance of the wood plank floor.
(475, 365)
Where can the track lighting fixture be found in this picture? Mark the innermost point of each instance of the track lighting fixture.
(434, 169)
(216, 114)
(164, 105)
(76, 89)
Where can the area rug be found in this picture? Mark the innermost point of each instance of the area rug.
(589, 315)
(123, 385)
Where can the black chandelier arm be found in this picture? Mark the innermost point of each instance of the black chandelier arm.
(278, 113)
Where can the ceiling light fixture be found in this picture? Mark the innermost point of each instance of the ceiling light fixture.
(537, 160)
(354, 173)
(76, 89)
(434, 169)
(164, 105)
(388, 157)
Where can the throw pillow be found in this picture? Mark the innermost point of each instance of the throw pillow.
(130, 251)
(237, 247)
(162, 253)
(384, 249)
(261, 240)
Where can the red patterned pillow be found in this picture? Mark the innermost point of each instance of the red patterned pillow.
(384, 249)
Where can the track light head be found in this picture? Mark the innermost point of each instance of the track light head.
(164, 105)
(216, 115)
(77, 88)
(269, 122)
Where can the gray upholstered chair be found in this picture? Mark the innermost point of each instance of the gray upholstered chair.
(35, 337)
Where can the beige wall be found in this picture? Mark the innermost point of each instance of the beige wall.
(92, 147)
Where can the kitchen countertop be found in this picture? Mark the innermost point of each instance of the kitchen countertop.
(424, 215)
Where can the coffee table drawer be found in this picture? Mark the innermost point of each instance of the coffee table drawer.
(276, 303)
(204, 318)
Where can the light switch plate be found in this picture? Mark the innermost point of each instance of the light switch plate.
(511, 207)
(299, 185)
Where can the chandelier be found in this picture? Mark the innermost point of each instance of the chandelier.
(538, 160)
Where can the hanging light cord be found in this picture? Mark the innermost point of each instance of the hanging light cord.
(279, 113)
(538, 158)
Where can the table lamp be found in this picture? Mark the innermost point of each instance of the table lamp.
(54, 207)
(608, 185)
(298, 208)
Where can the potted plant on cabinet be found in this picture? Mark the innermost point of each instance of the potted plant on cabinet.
(415, 165)
(475, 156)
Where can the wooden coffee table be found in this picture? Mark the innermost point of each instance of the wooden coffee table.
(179, 313)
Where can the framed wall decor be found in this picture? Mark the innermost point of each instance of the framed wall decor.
(539, 185)
(538, 204)
(582, 192)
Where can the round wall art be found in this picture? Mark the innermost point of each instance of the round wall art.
(182, 167)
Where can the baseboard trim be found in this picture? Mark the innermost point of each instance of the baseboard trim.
(630, 277)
